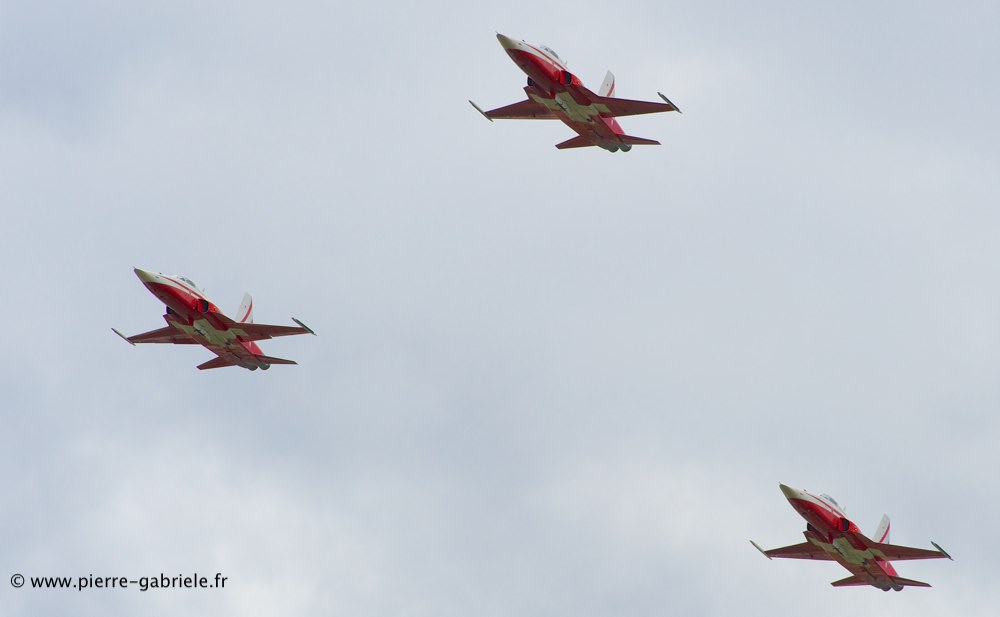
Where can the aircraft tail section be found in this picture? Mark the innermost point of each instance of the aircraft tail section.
(219, 362)
(265, 362)
(637, 141)
(577, 142)
(850, 581)
(897, 582)
(608, 87)
(271, 360)
(909, 582)
(245, 314)
(882, 531)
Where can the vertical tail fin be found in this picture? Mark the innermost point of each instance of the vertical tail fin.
(245, 314)
(608, 87)
(882, 531)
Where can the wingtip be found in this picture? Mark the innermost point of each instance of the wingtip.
(941, 550)
(669, 102)
(762, 551)
(308, 329)
(480, 110)
(125, 338)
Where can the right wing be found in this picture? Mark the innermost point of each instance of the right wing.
(806, 550)
(525, 110)
(161, 335)
(895, 552)
(616, 107)
(246, 332)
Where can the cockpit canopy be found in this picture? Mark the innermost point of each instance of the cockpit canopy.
(188, 282)
(832, 500)
(549, 50)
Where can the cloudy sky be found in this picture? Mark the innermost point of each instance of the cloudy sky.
(545, 383)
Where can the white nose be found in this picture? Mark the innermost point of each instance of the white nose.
(789, 492)
(145, 277)
(507, 42)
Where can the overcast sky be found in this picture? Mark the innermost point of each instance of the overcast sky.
(545, 383)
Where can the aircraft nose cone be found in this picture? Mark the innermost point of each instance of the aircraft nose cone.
(507, 42)
(145, 277)
(789, 492)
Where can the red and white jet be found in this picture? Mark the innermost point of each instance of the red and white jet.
(831, 536)
(555, 93)
(192, 319)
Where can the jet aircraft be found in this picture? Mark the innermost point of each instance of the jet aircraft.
(831, 536)
(555, 93)
(192, 319)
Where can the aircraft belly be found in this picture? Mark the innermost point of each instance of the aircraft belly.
(203, 332)
(565, 107)
(850, 554)
(585, 120)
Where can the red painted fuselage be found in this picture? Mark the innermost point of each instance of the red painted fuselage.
(832, 531)
(193, 319)
(554, 92)
(830, 535)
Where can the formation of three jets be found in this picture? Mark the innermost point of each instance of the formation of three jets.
(553, 93)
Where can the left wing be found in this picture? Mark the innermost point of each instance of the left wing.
(161, 335)
(894, 552)
(614, 107)
(805, 550)
(247, 332)
(525, 110)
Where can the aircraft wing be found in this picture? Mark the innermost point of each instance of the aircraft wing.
(525, 110)
(161, 335)
(626, 107)
(894, 552)
(247, 332)
(805, 550)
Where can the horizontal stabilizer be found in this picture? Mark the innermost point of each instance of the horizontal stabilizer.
(219, 362)
(577, 142)
(850, 581)
(909, 582)
(271, 360)
(638, 141)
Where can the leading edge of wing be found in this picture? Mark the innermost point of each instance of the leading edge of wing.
(895, 552)
(524, 110)
(260, 332)
(160, 335)
(805, 550)
(627, 107)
